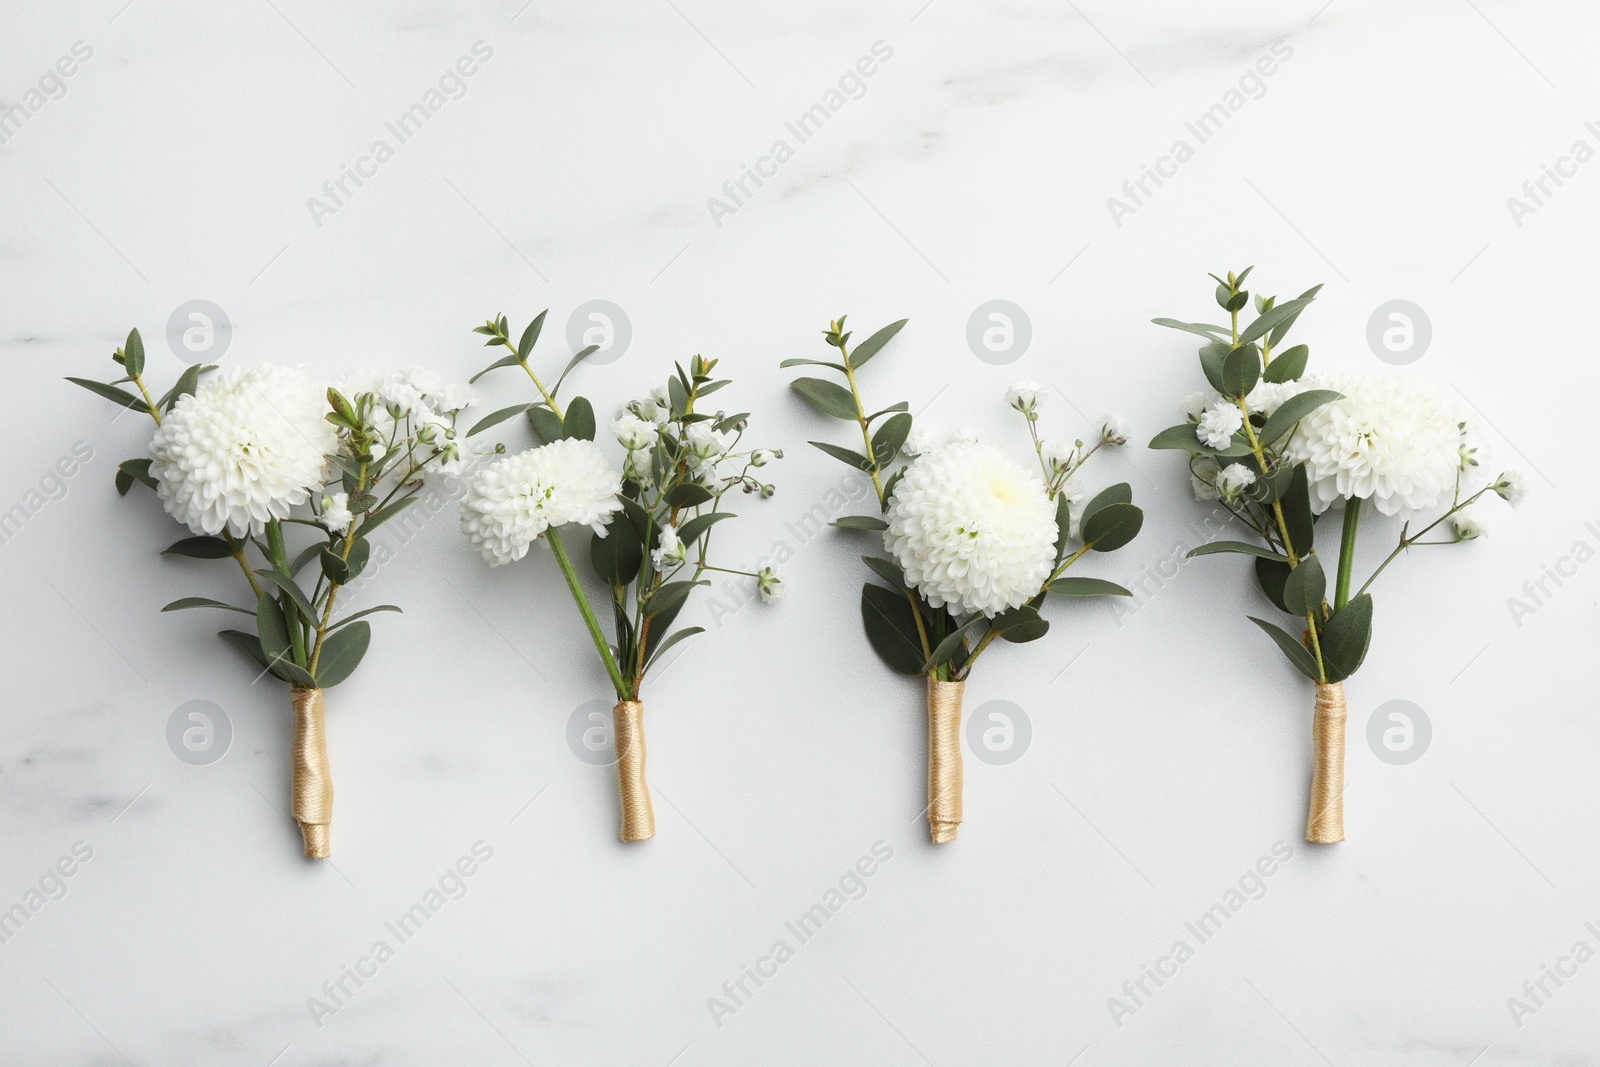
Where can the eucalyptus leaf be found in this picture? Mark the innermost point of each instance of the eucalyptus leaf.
(504, 361)
(341, 653)
(891, 628)
(1292, 648)
(368, 611)
(887, 569)
(890, 438)
(1346, 637)
(577, 358)
(872, 345)
(1288, 365)
(578, 423)
(201, 547)
(1291, 411)
(1214, 333)
(1241, 370)
(1087, 587)
(859, 522)
(204, 602)
(1305, 587)
(1121, 493)
(133, 354)
(672, 639)
(688, 495)
(830, 398)
(497, 417)
(530, 336)
(119, 396)
(690, 531)
(844, 455)
(546, 423)
(1113, 526)
(1241, 547)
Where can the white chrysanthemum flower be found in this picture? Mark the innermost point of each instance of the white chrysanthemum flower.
(1393, 439)
(671, 552)
(1233, 478)
(1219, 423)
(1025, 397)
(513, 500)
(1114, 429)
(336, 514)
(769, 585)
(1468, 523)
(1195, 404)
(972, 529)
(1203, 475)
(246, 447)
(1512, 487)
(634, 432)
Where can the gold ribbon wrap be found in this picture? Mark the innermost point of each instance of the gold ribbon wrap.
(312, 782)
(638, 817)
(1325, 821)
(944, 759)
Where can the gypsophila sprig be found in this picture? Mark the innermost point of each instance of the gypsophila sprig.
(1276, 447)
(652, 511)
(246, 456)
(976, 539)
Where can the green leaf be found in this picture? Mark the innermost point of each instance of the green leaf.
(133, 354)
(120, 396)
(1291, 648)
(1211, 358)
(497, 417)
(1304, 588)
(844, 455)
(670, 597)
(384, 514)
(812, 363)
(546, 424)
(1288, 365)
(186, 385)
(272, 629)
(1113, 526)
(1121, 493)
(889, 439)
(952, 644)
(1087, 587)
(1020, 625)
(887, 569)
(690, 531)
(616, 557)
(828, 397)
(579, 421)
(891, 628)
(1241, 369)
(872, 345)
(688, 495)
(1346, 638)
(341, 653)
(1063, 526)
(672, 639)
(204, 602)
(530, 336)
(1271, 575)
(1283, 327)
(1214, 333)
(199, 548)
(678, 394)
(124, 482)
(859, 522)
(368, 611)
(1181, 436)
(1291, 411)
(343, 569)
(1241, 547)
(1271, 318)
(249, 642)
(1296, 506)
(296, 595)
(577, 358)
(503, 361)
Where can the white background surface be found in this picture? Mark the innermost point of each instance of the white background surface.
(1169, 755)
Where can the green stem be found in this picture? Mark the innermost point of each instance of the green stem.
(1347, 553)
(560, 550)
(548, 398)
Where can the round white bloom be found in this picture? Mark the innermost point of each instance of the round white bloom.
(1194, 405)
(972, 529)
(1025, 396)
(1203, 474)
(1393, 439)
(1114, 429)
(1219, 423)
(769, 585)
(633, 432)
(513, 500)
(671, 552)
(1512, 487)
(1468, 524)
(336, 514)
(245, 448)
(1232, 478)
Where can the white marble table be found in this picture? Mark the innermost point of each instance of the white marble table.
(204, 152)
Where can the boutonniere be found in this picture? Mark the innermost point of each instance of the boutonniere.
(1276, 449)
(975, 541)
(651, 521)
(284, 478)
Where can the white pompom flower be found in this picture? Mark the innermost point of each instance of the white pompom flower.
(972, 528)
(512, 501)
(1393, 439)
(246, 447)
(1219, 423)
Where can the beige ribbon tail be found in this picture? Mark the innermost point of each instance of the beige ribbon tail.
(638, 817)
(944, 759)
(312, 782)
(1325, 820)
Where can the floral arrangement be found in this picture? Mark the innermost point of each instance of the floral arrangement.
(651, 521)
(976, 541)
(240, 457)
(1277, 448)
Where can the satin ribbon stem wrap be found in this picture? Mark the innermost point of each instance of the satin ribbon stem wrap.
(638, 817)
(1325, 820)
(944, 759)
(312, 782)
